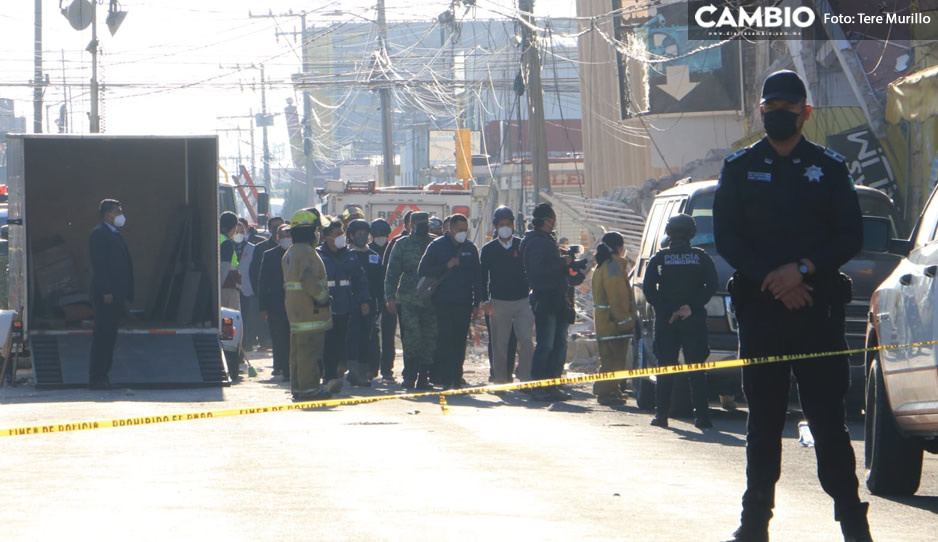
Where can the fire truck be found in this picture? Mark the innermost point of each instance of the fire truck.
(392, 203)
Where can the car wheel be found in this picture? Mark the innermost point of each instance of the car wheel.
(644, 388)
(893, 462)
(233, 361)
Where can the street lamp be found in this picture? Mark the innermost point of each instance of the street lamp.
(81, 13)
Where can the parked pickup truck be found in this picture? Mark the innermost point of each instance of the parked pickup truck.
(867, 269)
(902, 383)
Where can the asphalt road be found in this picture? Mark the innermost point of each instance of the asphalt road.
(494, 468)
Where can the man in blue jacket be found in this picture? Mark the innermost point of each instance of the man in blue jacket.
(112, 287)
(454, 260)
(348, 287)
(548, 275)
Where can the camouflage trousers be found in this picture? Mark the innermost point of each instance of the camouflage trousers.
(418, 337)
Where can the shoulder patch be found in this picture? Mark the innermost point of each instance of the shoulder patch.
(834, 154)
(737, 154)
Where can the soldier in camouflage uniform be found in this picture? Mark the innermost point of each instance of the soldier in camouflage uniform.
(418, 318)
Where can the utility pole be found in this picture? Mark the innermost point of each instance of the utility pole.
(250, 117)
(266, 123)
(536, 126)
(307, 99)
(37, 76)
(93, 48)
(387, 139)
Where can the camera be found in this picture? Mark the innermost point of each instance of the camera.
(575, 265)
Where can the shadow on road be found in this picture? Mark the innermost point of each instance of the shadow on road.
(928, 503)
(30, 395)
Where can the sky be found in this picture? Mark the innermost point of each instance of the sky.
(176, 66)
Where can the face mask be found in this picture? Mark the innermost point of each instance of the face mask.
(381, 241)
(505, 232)
(286, 243)
(340, 242)
(422, 229)
(120, 220)
(238, 238)
(461, 237)
(361, 239)
(780, 124)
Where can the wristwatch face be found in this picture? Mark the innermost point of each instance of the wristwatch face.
(803, 269)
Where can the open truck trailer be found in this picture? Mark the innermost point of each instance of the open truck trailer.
(168, 187)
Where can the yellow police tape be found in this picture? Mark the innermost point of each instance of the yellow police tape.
(599, 377)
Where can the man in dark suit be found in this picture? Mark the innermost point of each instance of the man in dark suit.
(272, 301)
(112, 287)
(265, 244)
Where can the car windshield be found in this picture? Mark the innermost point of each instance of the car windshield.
(871, 203)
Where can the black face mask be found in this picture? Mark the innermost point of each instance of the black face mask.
(780, 124)
(422, 229)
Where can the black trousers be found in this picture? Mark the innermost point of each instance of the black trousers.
(106, 321)
(388, 346)
(335, 352)
(689, 335)
(279, 326)
(362, 329)
(770, 329)
(452, 333)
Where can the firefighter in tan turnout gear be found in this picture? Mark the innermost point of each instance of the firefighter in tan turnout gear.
(307, 300)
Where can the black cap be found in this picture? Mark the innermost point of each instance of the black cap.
(356, 225)
(681, 225)
(784, 85)
(503, 213)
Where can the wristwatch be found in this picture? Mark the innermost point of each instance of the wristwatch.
(804, 269)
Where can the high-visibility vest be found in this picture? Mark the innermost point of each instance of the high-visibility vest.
(234, 255)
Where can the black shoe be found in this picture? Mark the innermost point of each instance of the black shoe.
(276, 372)
(558, 394)
(99, 384)
(750, 533)
(660, 422)
(703, 423)
(542, 395)
(853, 523)
(423, 383)
(320, 395)
(409, 384)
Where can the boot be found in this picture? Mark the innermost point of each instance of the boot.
(853, 522)
(751, 532)
(357, 375)
(334, 386)
(423, 381)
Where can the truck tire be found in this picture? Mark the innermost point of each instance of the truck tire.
(643, 388)
(893, 462)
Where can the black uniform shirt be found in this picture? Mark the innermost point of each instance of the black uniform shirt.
(771, 210)
(371, 263)
(677, 277)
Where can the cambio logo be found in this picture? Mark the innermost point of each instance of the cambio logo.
(709, 16)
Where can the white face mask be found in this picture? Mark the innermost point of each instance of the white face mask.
(340, 242)
(505, 232)
(120, 220)
(381, 241)
(461, 237)
(238, 238)
(286, 243)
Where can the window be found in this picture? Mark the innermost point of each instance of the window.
(652, 226)
(929, 221)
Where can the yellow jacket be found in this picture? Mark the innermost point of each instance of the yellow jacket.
(306, 289)
(613, 300)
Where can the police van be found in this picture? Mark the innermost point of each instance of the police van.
(867, 270)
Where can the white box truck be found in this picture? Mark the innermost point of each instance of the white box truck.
(168, 186)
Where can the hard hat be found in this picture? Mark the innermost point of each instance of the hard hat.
(681, 226)
(503, 213)
(436, 222)
(352, 213)
(380, 227)
(356, 225)
(306, 217)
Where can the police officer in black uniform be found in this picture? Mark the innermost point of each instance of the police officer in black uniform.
(680, 281)
(786, 217)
